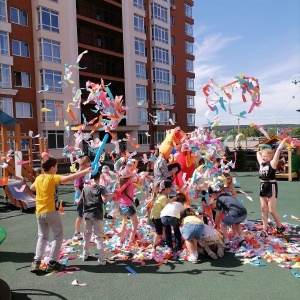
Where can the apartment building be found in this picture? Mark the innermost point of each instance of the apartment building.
(142, 49)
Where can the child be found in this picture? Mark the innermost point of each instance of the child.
(191, 230)
(106, 181)
(48, 214)
(229, 187)
(268, 186)
(170, 217)
(235, 212)
(92, 198)
(160, 202)
(125, 196)
(84, 163)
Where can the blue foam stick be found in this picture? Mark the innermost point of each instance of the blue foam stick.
(131, 270)
(94, 164)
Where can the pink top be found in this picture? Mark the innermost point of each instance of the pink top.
(124, 200)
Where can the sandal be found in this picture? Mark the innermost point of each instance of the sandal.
(280, 230)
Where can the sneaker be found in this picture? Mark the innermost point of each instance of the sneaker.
(264, 233)
(35, 266)
(193, 259)
(102, 262)
(242, 243)
(85, 256)
(227, 247)
(77, 236)
(54, 266)
(280, 230)
(220, 251)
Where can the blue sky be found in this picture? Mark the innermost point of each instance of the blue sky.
(258, 38)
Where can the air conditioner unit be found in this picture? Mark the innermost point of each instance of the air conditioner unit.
(173, 6)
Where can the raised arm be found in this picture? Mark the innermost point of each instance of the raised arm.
(71, 177)
(275, 158)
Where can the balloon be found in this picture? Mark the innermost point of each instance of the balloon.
(94, 164)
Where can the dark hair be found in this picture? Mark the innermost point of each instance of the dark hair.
(165, 184)
(95, 176)
(187, 212)
(180, 198)
(48, 163)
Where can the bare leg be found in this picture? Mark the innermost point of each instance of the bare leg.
(272, 208)
(123, 228)
(264, 211)
(190, 245)
(78, 224)
(135, 222)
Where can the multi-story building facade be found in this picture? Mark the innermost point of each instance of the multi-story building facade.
(143, 49)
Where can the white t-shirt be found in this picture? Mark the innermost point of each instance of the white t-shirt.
(172, 209)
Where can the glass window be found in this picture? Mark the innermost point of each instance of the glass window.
(172, 40)
(190, 102)
(189, 47)
(143, 138)
(23, 110)
(159, 12)
(55, 139)
(191, 119)
(6, 105)
(138, 4)
(160, 55)
(174, 117)
(20, 48)
(49, 50)
(173, 99)
(161, 96)
(56, 112)
(5, 81)
(142, 116)
(138, 23)
(163, 117)
(48, 19)
(141, 93)
(188, 9)
(51, 80)
(3, 13)
(173, 60)
(4, 43)
(22, 79)
(139, 46)
(189, 83)
(173, 79)
(140, 70)
(161, 76)
(188, 29)
(160, 34)
(18, 16)
(172, 21)
(189, 65)
(159, 136)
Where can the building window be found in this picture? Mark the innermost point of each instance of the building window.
(172, 40)
(55, 113)
(189, 83)
(143, 138)
(161, 76)
(172, 21)
(22, 79)
(190, 102)
(48, 19)
(191, 119)
(51, 80)
(141, 93)
(159, 12)
(174, 117)
(173, 99)
(189, 65)
(140, 70)
(49, 50)
(138, 4)
(173, 60)
(163, 117)
(173, 79)
(188, 9)
(142, 116)
(138, 23)
(160, 34)
(189, 47)
(5, 76)
(6, 105)
(18, 16)
(3, 10)
(160, 55)
(159, 136)
(23, 110)
(55, 139)
(4, 43)
(188, 29)
(161, 96)
(20, 48)
(139, 46)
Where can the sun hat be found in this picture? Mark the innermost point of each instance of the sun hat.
(125, 173)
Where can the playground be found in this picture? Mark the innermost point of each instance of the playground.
(227, 278)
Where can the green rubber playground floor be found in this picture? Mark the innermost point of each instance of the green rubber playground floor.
(225, 278)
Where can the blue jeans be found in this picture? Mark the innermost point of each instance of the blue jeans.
(170, 222)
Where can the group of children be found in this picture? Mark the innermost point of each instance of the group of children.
(167, 215)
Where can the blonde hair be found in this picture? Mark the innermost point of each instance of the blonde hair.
(84, 160)
(268, 152)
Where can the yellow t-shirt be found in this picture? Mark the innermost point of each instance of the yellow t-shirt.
(46, 193)
(192, 219)
(159, 204)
